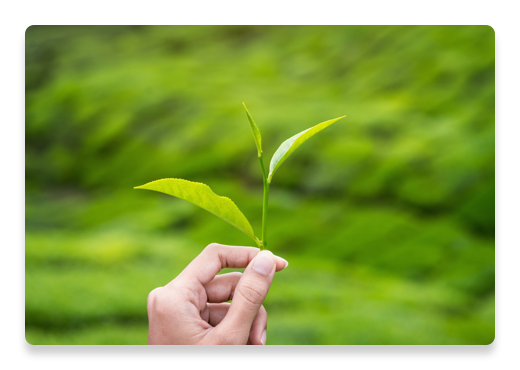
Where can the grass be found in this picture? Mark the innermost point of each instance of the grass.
(387, 219)
(90, 287)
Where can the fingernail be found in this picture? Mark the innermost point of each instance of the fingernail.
(264, 262)
(264, 337)
(280, 259)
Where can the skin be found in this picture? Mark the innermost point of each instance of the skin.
(193, 308)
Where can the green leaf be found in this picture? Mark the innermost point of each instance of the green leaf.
(291, 144)
(256, 132)
(201, 195)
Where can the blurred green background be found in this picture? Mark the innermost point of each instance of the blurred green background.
(387, 217)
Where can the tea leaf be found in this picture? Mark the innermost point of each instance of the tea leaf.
(256, 132)
(291, 144)
(201, 195)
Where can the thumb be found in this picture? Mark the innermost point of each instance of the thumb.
(247, 299)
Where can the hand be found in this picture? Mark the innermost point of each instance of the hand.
(193, 308)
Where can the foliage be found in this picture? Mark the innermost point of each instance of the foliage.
(201, 195)
(389, 230)
(291, 144)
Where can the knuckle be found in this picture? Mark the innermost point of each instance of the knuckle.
(213, 246)
(157, 302)
(153, 298)
(251, 292)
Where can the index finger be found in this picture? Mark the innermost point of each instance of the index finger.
(215, 257)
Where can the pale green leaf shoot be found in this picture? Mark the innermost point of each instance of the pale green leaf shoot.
(291, 144)
(201, 195)
(256, 132)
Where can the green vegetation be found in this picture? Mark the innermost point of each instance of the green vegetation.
(224, 208)
(387, 220)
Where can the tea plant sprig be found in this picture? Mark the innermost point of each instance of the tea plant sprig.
(223, 207)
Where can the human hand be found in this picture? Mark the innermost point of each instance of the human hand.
(193, 308)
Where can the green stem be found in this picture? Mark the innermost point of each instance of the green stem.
(264, 207)
(264, 215)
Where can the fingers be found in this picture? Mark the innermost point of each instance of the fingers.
(222, 287)
(257, 335)
(215, 257)
(217, 311)
(249, 295)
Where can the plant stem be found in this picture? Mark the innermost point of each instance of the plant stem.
(264, 214)
(264, 207)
